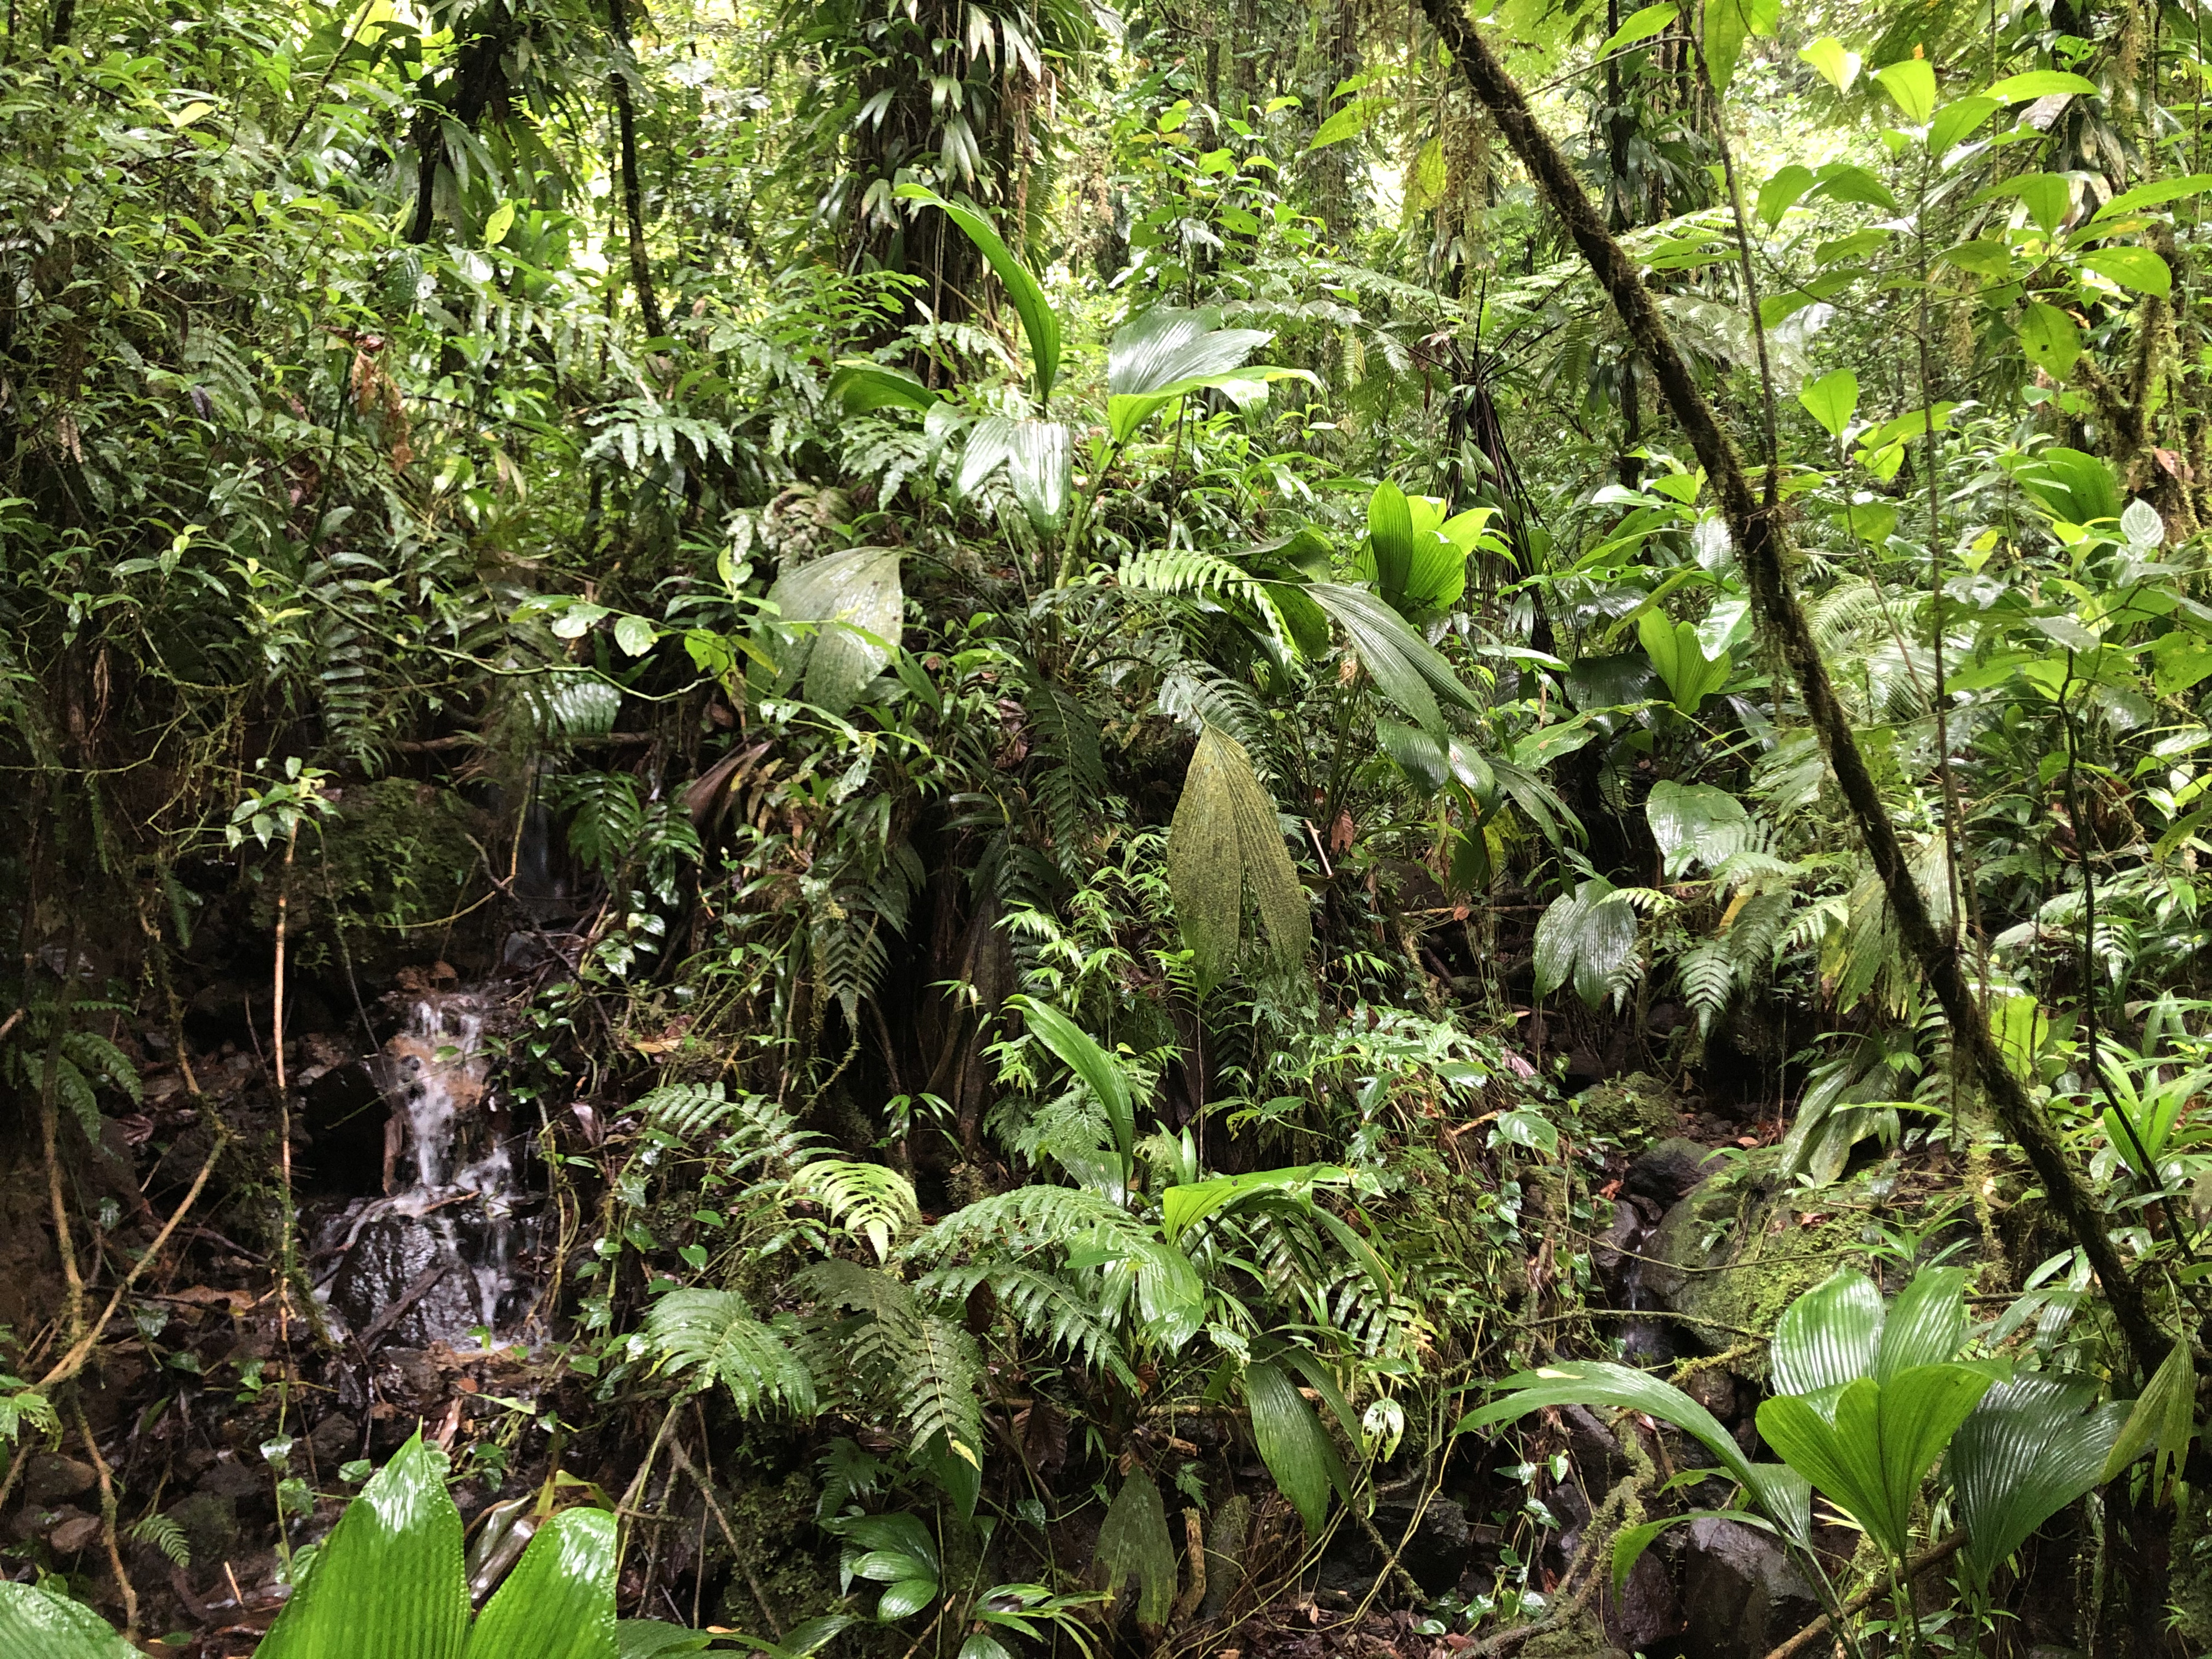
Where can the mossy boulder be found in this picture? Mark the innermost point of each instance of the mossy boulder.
(1634, 1109)
(1737, 1251)
(397, 858)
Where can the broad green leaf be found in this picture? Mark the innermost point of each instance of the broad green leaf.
(1871, 1454)
(1039, 321)
(1426, 178)
(635, 634)
(2051, 340)
(1680, 660)
(2142, 525)
(1167, 353)
(2032, 1447)
(1390, 535)
(1727, 24)
(1832, 400)
(1133, 1543)
(1985, 256)
(1183, 1205)
(858, 606)
(1100, 1071)
(1927, 1323)
(559, 1602)
(1640, 25)
(653, 1639)
(1405, 667)
(1910, 84)
(1600, 1383)
(1695, 823)
(2077, 488)
(1585, 937)
(1293, 1443)
(1835, 63)
(502, 221)
(2157, 195)
(389, 1583)
(2041, 83)
(37, 1625)
(1954, 121)
(1225, 837)
(2137, 268)
(902, 1597)
(861, 385)
(1354, 119)
(2179, 660)
(1828, 1336)
(2161, 1422)
(1843, 181)
(1781, 192)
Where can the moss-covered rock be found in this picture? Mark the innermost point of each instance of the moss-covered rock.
(1634, 1109)
(397, 856)
(1735, 1252)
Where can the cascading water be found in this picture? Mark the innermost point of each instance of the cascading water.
(434, 1258)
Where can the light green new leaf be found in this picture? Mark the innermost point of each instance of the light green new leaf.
(2157, 195)
(1354, 119)
(1828, 1336)
(2041, 83)
(1781, 192)
(858, 606)
(1727, 24)
(1100, 1071)
(1910, 84)
(388, 1583)
(1226, 835)
(1416, 560)
(559, 1602)
(2137, 268)
(1680, 659)
(1039, 321)
(654, 1638)
(1832, 400)
(1641, 25)
(35, 1624)
(1184, 1205)
(2032, 1447)
(1836, 64)
(1133, 1543)
(1293, 1443)
(1883, 1438)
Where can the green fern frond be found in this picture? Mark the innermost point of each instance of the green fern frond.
(97, 1057)
(1708, 975)
(887, 1356)
(871, 1201)
(684, 1110)
(165, 1535)
(1048, 1310)
(715, 1335)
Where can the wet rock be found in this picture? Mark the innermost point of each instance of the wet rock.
(75, 1536)
(228, 1476)
(1436, 1554)
(336, 1439)
(1742, 1595)
(1714, 1390)
(52, 1477)
(1646, 1612)
(1669, 1172)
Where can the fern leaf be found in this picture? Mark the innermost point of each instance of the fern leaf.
(714, 1333)
(869, 1199)
(684, 1110)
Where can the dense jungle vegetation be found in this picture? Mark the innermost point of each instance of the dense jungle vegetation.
(975, 828)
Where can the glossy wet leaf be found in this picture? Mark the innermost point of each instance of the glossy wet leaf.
(1293, 1443)
(559, 1602)
(37, 1625)
(388, 1583)
(2032, 1447)
(855, 600)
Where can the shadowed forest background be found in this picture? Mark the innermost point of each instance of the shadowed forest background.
(974, 829)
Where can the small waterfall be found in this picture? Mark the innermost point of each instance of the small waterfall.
(433, 1257)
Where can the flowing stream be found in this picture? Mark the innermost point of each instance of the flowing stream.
(434, 1258)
